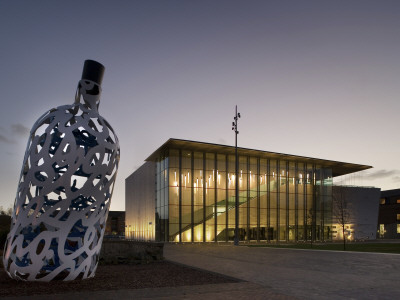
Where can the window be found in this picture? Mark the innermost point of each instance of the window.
(398, 228)
(382, 201)
(398, 217)
(381, 230)
(398, 201)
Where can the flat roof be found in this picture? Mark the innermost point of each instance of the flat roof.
(390, 193)
(338, 168)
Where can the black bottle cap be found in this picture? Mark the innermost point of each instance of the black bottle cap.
(93, 70)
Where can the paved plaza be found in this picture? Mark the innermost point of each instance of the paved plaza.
(303, 274)
(269, 273)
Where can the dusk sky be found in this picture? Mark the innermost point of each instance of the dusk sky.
(311, 78)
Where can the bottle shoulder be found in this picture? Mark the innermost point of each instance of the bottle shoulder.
(72, 116)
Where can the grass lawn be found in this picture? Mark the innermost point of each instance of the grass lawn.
(361, 247)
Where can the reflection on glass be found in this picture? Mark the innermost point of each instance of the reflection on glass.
(278, 200)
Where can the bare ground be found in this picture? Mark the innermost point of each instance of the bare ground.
(113, 277)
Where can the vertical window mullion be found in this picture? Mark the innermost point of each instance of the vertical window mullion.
(305, 221)
(248, 198)
(268, 199)
(314, 204)
(204, 197)
(215, 201)
(192, 197)
(278, 169)
(180, 196)
(296, 203)
(258, 199)
(226, 199)
(321, 199)
(287, 201)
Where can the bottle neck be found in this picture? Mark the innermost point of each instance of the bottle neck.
(88, 94)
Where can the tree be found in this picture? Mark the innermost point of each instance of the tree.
(341, 209)
(5, 220)
(310, 225)
(6, 212)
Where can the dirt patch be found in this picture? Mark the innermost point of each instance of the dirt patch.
(113, 277)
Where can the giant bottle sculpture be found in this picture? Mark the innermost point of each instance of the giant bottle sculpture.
(65, 189)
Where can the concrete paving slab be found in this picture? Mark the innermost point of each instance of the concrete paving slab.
(269, 273)
(241, 290)
(305, 274)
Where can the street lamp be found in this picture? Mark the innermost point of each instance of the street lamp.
(235, 128)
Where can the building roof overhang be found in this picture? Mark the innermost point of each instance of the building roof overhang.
(338, 168)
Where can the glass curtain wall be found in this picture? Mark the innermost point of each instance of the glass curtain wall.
(163, 217)
(278, 200)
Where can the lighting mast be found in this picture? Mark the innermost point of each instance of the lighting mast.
(235, 128)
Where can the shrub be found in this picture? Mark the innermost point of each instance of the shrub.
(3, 238)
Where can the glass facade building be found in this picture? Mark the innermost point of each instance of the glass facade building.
(281, 197)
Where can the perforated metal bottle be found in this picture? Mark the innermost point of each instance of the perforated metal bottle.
(65, 189)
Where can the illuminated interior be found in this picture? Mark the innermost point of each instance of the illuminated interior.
(278, 200)
(281, 197)
(337, 233)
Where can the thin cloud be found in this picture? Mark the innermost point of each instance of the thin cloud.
(20, 130)
(222, 141)
(6, 140)
(16, 130)
(396, 178)
(380, 174)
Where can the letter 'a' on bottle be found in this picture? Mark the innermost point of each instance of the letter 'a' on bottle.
(65, 188)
